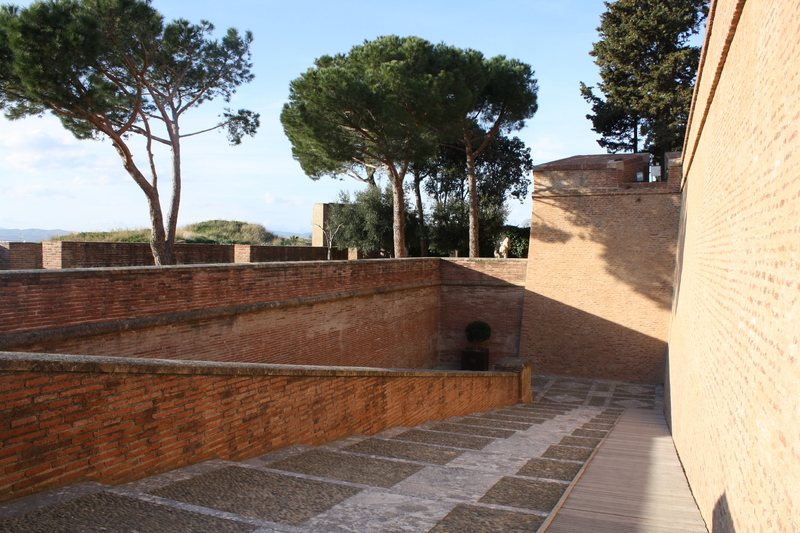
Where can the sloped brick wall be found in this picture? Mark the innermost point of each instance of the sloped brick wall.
(734, 363)
(113, 420)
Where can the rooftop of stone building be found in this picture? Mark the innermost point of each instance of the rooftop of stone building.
(592, 162)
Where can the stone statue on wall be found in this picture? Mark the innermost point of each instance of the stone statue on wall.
(503, 247)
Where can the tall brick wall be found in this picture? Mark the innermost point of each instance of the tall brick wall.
(354, 313)
(599, 281)
(480, 289)
(20, 255)
(734, 363)
(112, 420)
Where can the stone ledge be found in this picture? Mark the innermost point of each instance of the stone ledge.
(43, 362)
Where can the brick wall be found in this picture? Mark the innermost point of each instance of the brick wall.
(734, 364)
(67, 254)
(480, 289)
(246, 253)
(354, 313)
(599, 281)
(112, 420)
(20, 255)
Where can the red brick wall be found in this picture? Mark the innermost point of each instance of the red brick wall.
(480, 289)
(246, 253)
(67, 254)
(734, 371)
(112, 420)
(354, 313)
(599, 283)
(20, 255)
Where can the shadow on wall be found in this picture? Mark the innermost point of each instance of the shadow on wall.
(722, 519)
(567, 341)
(632, 244)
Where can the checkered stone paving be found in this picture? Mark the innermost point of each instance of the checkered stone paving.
(502, 470)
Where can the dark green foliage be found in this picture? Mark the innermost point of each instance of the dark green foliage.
(478, 331)
(112, 68)
(520, 241)
(647, 71)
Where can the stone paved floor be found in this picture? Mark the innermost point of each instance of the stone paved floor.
(502, 470)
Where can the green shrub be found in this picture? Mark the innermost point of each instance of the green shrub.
(478, 331)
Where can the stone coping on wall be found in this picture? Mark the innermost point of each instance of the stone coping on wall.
(656, 187)
(45, 362)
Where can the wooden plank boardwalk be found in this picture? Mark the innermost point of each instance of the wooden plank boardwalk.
(635, 483)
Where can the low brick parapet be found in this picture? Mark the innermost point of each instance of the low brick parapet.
(67, 419)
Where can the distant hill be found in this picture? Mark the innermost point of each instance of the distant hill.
(29, 235)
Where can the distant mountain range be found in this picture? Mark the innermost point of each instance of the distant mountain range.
(29, 235)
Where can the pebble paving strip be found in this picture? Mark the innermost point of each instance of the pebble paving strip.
(473, 519)
(475, 421)
(569, 453)
(474, 430)
(550, 469)
(590, 425)
(112, 513)
(265, 495)
(584, 442)
(591, 433)
(410, 451)
(444, 439)
(512, 418)
(352, 468)
(538, 495)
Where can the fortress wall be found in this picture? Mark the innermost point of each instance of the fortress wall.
(480, 289)
(20, 255)
(69, 254)
(734, 361)
(373, 313)
(599, 282)
(113, 420)
(246, 253)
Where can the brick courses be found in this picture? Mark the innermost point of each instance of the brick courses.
(599, 279)
(20, 255)
(734, 366)
(112, 420)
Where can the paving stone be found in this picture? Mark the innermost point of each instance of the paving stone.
(550, 469)
(411, 451)
(568, 453)
(583, 442)
(473, 430)
(602, 387)
(540, 383)
(591, 433)
(525, 494)
(445, 439)
(598, 401)
(487, 422)
(474, 519)
(373, 511)
(344, 467)
(113, 513)
(448, 483)
(591, 425)
(571, 385)
(266, 495)
(527, 413)
(513, 418)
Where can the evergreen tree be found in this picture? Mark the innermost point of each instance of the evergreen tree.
(112, 68)
(647, 71)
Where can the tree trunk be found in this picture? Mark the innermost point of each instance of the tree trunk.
(398, 212)
(474, 246)
(423, 240)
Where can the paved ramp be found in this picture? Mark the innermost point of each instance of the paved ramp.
(635, 483)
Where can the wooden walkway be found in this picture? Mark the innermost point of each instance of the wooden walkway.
(635, 483)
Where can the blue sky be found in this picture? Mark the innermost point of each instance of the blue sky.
(50, 180)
